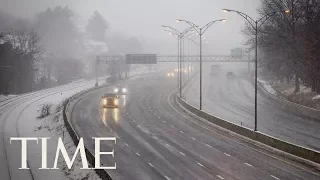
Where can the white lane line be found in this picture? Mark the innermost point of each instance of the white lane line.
(172, 126)
(167, 144)
(164, 121)
(200, 164)
(227, 154)
(127, 113)
(193, 138)
(181, 132)
(158, 117)
(167, 178)
(150, 164)
(208, 145)
(155, 137)
(183, 154)
(274, 177)
(220, 177)
(126, 144)
(248, 164)
(133, 120)
(137, 154)
(130, 117)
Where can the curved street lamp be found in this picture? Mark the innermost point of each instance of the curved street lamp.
(256, 24)
(200, 31)
(180, 35)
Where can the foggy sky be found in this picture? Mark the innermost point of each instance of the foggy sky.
(143, 18)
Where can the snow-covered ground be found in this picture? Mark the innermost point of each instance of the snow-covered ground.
(304, 97)
(4, 97)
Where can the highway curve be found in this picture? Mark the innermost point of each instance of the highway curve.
(156, 140)
(233, 99)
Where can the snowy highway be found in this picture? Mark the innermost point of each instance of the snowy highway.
(157, 140)
(232, 99)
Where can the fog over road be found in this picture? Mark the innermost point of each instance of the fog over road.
(156, 140)
(233, 99)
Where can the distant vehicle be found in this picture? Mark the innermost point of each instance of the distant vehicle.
(215, 69)
(110, 100)
(120, 91)
(170, 74)
(230, 74)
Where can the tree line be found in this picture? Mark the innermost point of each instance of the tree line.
(51, 49)
(289, 43)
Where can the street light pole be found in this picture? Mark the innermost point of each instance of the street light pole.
(200, 31)
(180, 36)
(256, 26)
(200, 85)
(180, 72)
(256, 80)
(178, 57)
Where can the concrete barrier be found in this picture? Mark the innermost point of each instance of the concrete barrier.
(293, 149)
(75, 138)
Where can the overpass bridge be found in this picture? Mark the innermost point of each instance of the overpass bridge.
(119, 64)
(174, 58)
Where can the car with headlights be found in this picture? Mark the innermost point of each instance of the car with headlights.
(110, 100)
(170, 74)
(120, 91)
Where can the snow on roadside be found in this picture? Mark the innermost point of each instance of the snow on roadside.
(4, 97)
(316, 97)
(54, 123)
(267, 87)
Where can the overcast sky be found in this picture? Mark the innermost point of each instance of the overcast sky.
(143, 18)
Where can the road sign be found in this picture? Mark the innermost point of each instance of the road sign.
(141, 59)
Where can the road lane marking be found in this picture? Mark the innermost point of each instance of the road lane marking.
(167, 144)
(226, 154)
(172, 126)
(182, 154)
(200, 164)
(181, 132)
(155, 137)
(248, 164)
(126, 144)
(208, 145)
(150, 164)
(133, 120)
(193, 138)
(232, 139)
(167, 177)
(164, 121)
(220, 177)
(158, 117)
(137, 154)
(274, 177)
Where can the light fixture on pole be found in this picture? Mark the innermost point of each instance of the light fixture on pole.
(200, 31)
(255, 24)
